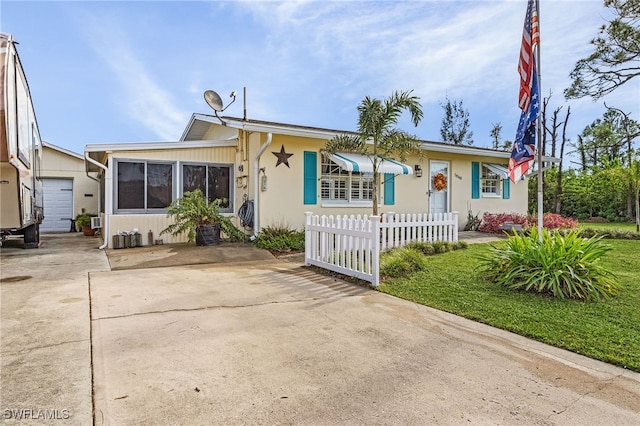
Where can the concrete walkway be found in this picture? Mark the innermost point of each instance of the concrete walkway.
(271, 342)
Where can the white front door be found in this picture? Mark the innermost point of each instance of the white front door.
(438, 186)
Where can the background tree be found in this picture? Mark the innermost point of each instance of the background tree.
(558, 143)
(635, 178)
(496, 135)
(378, 136)
(616, 58)
(455, 124)
(629, 130)
(608, 138)
(602, 141)
(507, 145)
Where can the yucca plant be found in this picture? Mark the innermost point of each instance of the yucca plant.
(563, 265)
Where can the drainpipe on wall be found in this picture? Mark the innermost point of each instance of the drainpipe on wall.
(105, 224)
(256, 191)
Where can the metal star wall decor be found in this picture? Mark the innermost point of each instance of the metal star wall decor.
(283, 157)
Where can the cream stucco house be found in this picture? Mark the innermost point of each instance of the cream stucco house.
(281, 169)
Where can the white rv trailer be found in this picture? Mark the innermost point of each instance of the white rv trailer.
(21, 200)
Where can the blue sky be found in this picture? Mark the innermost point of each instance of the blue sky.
(135, 71)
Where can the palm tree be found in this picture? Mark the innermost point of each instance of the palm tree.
(378, 136)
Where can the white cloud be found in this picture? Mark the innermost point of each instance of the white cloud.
(141, 96)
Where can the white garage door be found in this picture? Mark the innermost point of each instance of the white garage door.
(58, 205)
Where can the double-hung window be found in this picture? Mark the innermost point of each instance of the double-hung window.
(341, 186)
(144, 186)
(214, 180)
(490, 182)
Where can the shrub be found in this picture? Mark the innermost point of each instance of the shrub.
(595, 219)
(460, 245)
(401, 262)
(491, 221)
(84, 219)
(614, 234)
(564, 266)
(280, 238)
(441, 247)
(421, 246)
(437, 247)
(555, 221)
(404, 261)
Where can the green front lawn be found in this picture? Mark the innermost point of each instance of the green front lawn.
(608, 226)
(606, 330)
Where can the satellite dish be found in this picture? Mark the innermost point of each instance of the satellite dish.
(213, 100)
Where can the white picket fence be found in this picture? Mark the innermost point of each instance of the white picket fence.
(351, 245)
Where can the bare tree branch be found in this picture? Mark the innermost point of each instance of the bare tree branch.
(616, 58)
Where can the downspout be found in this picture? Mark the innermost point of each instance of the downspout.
(105, 225)
(256, 191)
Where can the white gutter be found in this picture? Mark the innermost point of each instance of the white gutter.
(105, 224)
(256, 191)
(457, 149)
(135, 146)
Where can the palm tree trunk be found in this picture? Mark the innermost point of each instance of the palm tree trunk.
(376, 185)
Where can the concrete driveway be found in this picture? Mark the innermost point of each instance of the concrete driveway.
(272, 342)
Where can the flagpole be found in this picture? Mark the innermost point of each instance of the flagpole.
(539, 129)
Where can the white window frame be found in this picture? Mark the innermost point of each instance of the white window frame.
(339, 187)
(488, 177)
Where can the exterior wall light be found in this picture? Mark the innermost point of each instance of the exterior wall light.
(418, 170)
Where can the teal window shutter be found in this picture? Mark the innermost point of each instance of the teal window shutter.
(475, 179)
(389, 188)
(310, 177)
(506, 188)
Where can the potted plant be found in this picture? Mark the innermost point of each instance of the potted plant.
(200, 219)
(83, 222)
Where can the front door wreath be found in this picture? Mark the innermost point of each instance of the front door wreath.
(439, 181)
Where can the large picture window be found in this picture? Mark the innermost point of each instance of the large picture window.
(340, 186)
(214, 180)
(144, 186)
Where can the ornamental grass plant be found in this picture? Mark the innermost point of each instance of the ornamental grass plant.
(402, 262)
(407, 260)
(280, 238)
(562, 265)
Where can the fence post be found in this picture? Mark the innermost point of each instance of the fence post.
(455, 227)
(307, 238)
(375, 261)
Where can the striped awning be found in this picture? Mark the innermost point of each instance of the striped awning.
(364, 164)
(498, 169)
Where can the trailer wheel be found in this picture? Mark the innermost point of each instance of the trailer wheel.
(32, 236)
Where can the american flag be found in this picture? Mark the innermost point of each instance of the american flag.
(530, 39)
(524, 146)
